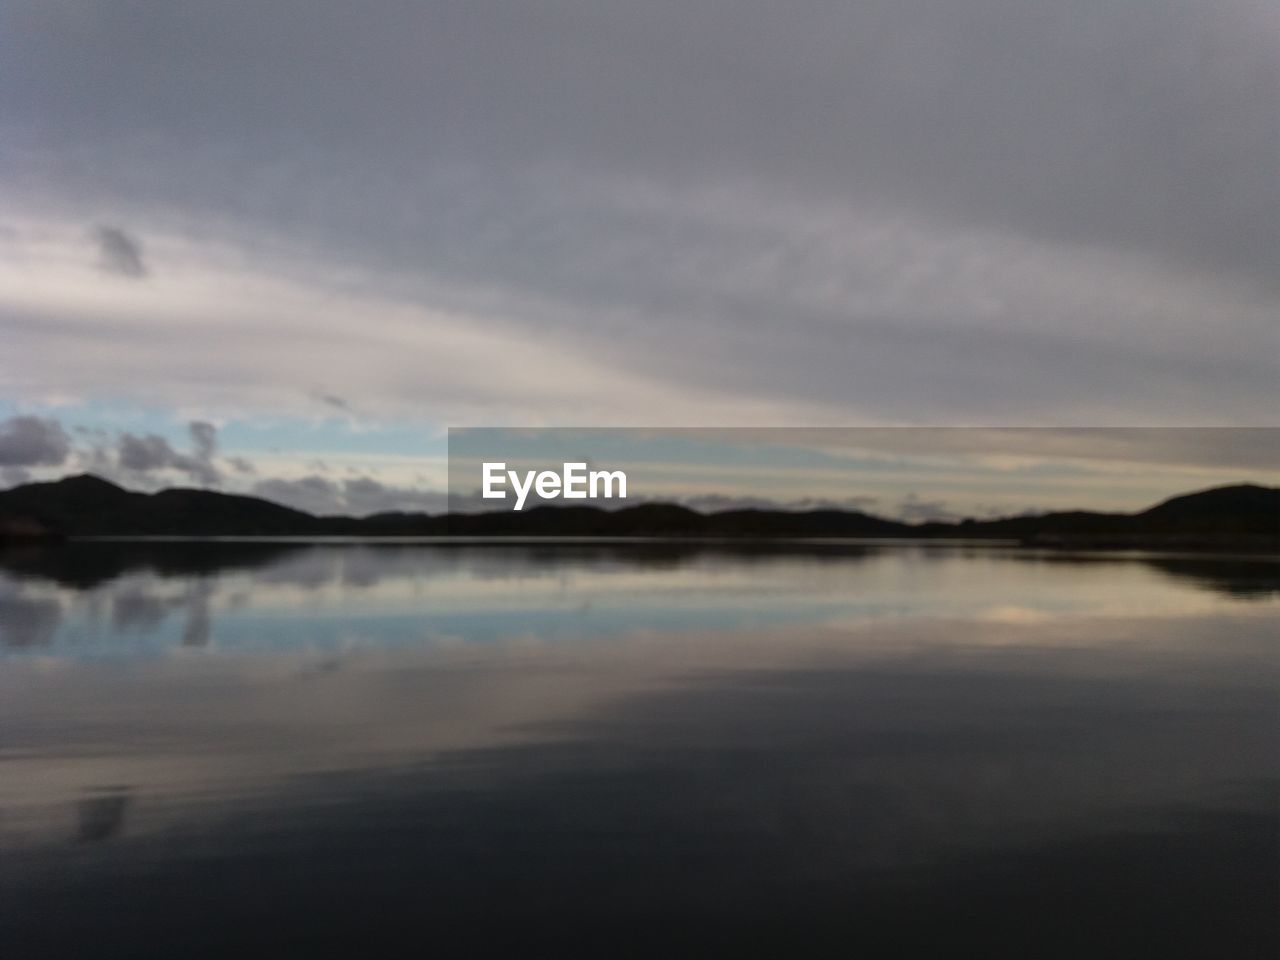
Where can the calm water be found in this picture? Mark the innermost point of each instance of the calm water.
(266, 750)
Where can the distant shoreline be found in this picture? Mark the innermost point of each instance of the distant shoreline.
(1244, 518)
(1218, 549)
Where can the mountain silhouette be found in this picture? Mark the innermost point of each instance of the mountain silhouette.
(86, 505)
(1244, 516)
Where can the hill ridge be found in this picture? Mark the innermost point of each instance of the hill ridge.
(88, 505)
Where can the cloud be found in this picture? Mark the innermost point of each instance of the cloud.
(27, 441)
(152, 452)
(936, 211)
(119, 253)
(356, 496)
(1008, 111)
(333, 400)
(365, 496)
(204, 439)
(915, 510)
(716, 502)
(312, 494)
(1253, 449)
(14, 476)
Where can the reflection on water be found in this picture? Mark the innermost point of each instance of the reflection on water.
(101, 814)
(795, 750)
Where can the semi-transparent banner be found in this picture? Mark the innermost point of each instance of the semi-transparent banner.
(900, 476)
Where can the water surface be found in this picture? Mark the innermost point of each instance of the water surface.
(220, 748)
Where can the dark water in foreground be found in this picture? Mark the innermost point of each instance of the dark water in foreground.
(228, 749)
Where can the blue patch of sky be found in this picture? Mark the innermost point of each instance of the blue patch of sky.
(236, 437)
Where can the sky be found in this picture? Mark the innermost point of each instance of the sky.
(282, 248)
(908, 473)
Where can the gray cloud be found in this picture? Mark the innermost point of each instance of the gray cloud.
(913, 509)
(27, 441)
(356, 496)
(899, 210)
(714, 502)
(313, 494)
(364, 496)
(152, 452)
(14, 476)
(1080, 120)
(1251, 449)
(119, 253)
(333, 400)
(204, 439)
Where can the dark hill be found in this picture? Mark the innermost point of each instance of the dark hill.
(86, 505)
(1241, 500)
(1237, 517)
(1245, 516)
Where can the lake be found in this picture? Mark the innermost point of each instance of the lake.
(232, 748)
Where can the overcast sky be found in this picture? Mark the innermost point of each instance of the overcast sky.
(321, 232)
